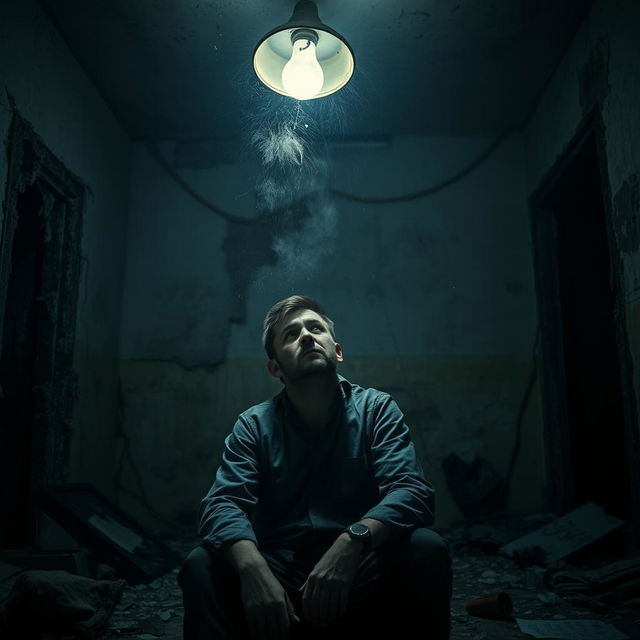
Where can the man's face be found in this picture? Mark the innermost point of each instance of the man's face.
(303, 346)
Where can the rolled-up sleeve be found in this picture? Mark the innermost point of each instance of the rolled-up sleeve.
(406, 497)
(226, 511)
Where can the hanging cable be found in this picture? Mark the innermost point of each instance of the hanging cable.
(231, 217)
(337, 193)
(429, 190)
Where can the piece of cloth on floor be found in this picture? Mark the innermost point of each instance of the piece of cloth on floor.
(58, 601)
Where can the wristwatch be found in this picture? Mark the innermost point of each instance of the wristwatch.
(361, 532)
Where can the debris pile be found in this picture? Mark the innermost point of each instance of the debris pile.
(526, 577)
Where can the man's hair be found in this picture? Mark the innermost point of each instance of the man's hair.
(280, 310)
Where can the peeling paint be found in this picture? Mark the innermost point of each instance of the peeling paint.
(55, 384)
(626, 209)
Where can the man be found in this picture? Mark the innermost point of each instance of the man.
(316, 525)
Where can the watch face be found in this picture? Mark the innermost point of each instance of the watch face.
(359, 530)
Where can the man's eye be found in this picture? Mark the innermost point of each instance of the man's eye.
(316, 329)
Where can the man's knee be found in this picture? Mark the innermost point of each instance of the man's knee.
(423, 555)
(430, 561)
(195, 569)
(425, 545)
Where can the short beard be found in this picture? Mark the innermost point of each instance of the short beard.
(328, 367)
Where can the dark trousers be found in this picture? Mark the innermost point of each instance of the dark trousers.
(402, 590)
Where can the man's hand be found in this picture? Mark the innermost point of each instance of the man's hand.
(267, 606)
(325, 594)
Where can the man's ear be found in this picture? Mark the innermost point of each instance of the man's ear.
(274, 368)
(339, 354)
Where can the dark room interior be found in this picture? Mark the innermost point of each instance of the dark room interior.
(457, 184)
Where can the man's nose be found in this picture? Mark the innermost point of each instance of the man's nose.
(305, 335)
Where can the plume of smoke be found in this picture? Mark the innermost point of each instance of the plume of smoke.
(292, 190)
(292, 185)
(301, 249)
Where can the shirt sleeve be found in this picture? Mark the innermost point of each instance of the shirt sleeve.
(406, 498)
(226, 511)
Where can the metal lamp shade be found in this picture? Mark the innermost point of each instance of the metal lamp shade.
(332, 51)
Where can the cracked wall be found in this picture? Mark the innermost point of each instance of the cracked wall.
(433, 301)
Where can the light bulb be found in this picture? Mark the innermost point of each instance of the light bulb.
(302, 76)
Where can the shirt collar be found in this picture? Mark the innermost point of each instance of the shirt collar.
(343, 384)
(345, 387)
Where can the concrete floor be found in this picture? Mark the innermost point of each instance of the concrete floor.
(151, 611)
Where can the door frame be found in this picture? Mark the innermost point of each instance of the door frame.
(554, 394)
(31, 163)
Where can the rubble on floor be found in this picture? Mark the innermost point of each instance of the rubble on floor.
(153, 610)
(600, 583)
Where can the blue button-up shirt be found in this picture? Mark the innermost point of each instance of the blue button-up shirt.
(284, 488)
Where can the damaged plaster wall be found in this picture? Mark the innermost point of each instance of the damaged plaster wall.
(177, 295)
(601, 66)
(433, 301)
(54, 95)
(601, 70)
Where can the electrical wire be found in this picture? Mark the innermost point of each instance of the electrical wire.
(519, 421)
(231, 217)
(503, 496)
(126, 453)
(432, 189)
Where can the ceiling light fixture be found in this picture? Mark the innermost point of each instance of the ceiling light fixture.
(304, 58)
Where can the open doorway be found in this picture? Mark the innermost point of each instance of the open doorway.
(589, 402)
(39, 274)
(18, 364)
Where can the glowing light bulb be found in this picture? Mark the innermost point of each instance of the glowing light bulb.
(302, 76)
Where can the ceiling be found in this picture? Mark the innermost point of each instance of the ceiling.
(181, 69)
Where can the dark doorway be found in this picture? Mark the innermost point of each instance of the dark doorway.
(587, 387)
(39, 274)
(17, 368)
